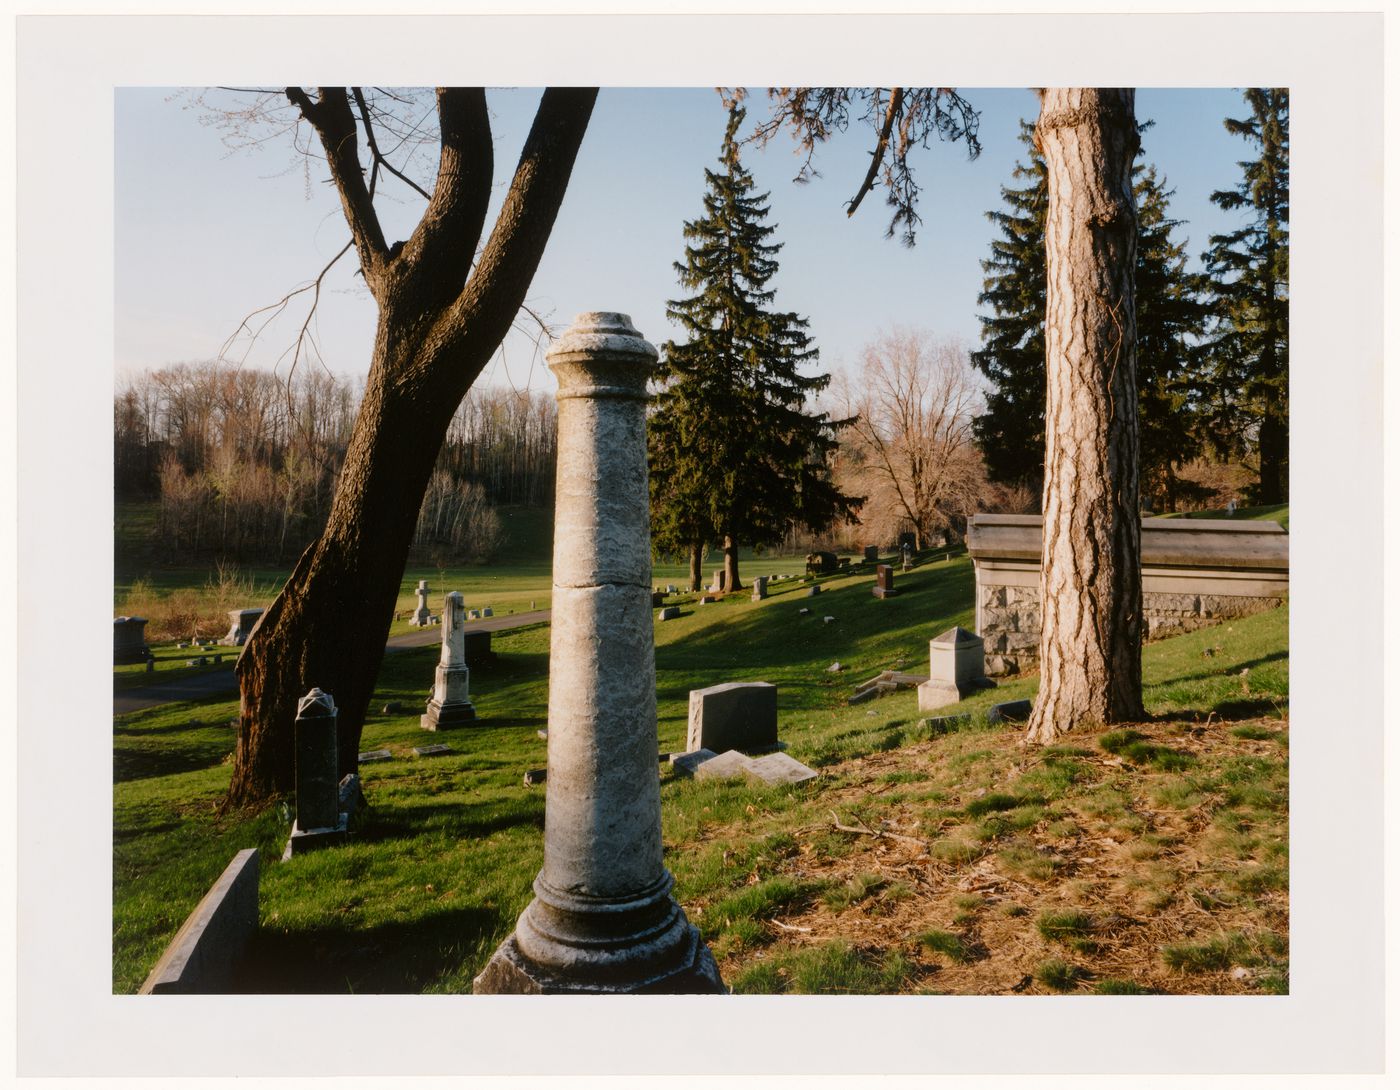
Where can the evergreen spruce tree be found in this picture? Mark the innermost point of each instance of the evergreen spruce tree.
(1170, 323)
(1249, 269)
(1011, 433)
(735, 456)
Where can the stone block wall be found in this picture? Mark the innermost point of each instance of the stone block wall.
(1011, 620)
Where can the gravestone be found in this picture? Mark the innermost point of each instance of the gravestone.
(812, 592)
(658, 599)
(719, 584)
(884, 582)
(956, 668)
(670, 613)
(129, 640)
(728, 765)
(821, 563)
(437, 750)
(203, 956)
(241, 624)
(780, 768)
(370, 756)
(685, 764)
(872, 554)
(738, 715)
(486, 612)
(603, 919)
(760, 588)
(670, 588)
(449, 705)
(319, 820)
(422, 616)
(909, 538)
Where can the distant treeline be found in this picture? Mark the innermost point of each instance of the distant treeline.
(244, 463)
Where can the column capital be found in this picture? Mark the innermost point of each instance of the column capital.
(602, 355)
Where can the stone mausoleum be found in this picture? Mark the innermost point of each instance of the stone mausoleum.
(1195, 572)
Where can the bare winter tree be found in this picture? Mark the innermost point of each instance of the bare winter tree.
(910, 445)
(1091, 571)
(445, 302)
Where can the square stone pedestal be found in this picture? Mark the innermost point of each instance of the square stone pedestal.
(447, 716)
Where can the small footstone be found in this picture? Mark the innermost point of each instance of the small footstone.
(534, 776)
(375, 755)
(945, 724)
(780, 768)
(686, 763)
(812, 592)
(191, 662)
(727, 765)
(828, 620)
(670, 613)
(803, 611)
(487, 612)
(542, 733)
(1013, 711)
(835, 668)
(431, 751)
(391, 708)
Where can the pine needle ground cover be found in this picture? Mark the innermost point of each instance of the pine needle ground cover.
(1149, 858)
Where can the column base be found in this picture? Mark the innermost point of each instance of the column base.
(447, 716)
(510, 972)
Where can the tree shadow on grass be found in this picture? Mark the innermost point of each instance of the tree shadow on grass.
(401, 822)
(145, 762)
(390, 959)
(1235, 668)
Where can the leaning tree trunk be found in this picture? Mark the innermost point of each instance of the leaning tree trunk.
(437, 329)
(731, 564)
(1091, 579)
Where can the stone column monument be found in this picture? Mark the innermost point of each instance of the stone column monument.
(449, 706)
(603, 919)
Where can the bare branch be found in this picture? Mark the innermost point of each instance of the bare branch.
(334, 123)
(379, 158)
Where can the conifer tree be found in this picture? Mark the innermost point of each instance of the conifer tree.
(1170, 323)
(1249, 271)
(736, 458)
(1011, 432)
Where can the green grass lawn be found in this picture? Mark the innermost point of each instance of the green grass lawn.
(1169, 836)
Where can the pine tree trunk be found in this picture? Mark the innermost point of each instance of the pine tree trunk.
(1091, 580)
(697, 567)
(1273, 450)
(731, 565)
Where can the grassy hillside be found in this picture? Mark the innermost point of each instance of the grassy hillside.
(1151, 859)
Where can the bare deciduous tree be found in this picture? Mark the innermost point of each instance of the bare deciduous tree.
(446, 297)
(910, 446)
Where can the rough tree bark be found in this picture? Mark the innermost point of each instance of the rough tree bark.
(1091, 580)
(440, 319)
(731, 564)
(697, 567)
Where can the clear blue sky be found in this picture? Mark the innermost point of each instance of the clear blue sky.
(204, 236)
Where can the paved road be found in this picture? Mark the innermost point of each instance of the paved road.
(223, 681)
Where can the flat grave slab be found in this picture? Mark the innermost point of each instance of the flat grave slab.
(375, 755)
(431, 751)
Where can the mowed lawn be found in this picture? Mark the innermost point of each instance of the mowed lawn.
(1148, 858)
